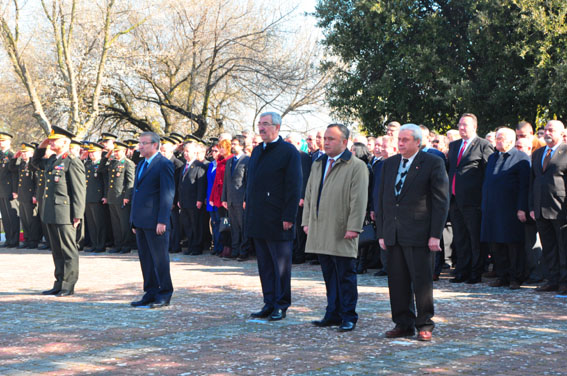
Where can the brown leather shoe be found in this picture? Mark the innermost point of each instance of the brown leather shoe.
(398, 332)
(547, 288)
(424, 335)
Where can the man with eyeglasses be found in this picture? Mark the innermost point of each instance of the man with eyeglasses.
(272, 199)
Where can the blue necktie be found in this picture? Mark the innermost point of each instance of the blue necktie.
(144, 165)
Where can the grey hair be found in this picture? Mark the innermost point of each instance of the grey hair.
(153, 136)
(415, 130)
(276, 118)
(344, 130)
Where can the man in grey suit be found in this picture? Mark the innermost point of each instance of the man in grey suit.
(547, 205)
(413, 202)
(233, 191)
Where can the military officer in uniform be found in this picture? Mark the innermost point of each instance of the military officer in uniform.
(94, 213)
(118, 192)
(26, 195)
(8, 202)
(133, 153)
(63, 207)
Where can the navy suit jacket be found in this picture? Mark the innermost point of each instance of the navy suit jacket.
(504, 192)
(153, 194)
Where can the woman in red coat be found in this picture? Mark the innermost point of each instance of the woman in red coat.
(216, 192)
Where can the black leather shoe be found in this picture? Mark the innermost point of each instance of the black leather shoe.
(547, 288)
(263, 313)
(242, 258)
(314, 262)
(473, 281)
(22, 246)
(458, 280)
(277, 315)
(43, 246)
(114, 250)
(196, 253)
(53, 291)
(159, 303)
(380, 273)
(32, 245)
(65, 293)
(324, 323)
(125, 250)
(347, 326)
(142, 302)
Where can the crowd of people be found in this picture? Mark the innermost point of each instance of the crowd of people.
(231, 195)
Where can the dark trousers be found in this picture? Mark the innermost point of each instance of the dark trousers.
(175, 235)
(63, 244)
(339, 274)
(94, 214)
(215, 223)
(466, 233)
(410, 276)
(120, 218)
(509, 261)
(10, 220)
(274, 267)
(154, 259)
(31, 224)
(191, 221)
(552, 235)
(236, 217)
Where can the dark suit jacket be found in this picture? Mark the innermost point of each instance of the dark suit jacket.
(153, 194)
(192, 186)
(420, 211)
(505, 191)
(469, 175)
(234, 186)
(547, 193)
(273, 188)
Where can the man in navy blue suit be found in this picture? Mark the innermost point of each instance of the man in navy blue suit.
(154, 189)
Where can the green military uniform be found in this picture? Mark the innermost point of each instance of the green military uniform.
(63, 201)
(119, 181)
(27, 180)
(8, 205)
(94, 213)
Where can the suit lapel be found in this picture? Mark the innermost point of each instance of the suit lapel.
(412, 173)
(468, 150)
(152, 164)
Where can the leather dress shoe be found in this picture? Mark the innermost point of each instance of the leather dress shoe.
(314, 262)
(242, 258)
(424, 335)
(22, 246)
(515, 285)
(473, 281)
(142, 302)
(125, 250)
(43, 246)
(562, 290)
(99, 250)
(196, 253)
(347, 326)
(547, 288)
(380, 273)
(277, 314)
(53, 291)
(114, 250)
(326, 322)
(458, 280)
(159, 303)
(398, 332)
(65, 293)
(263, 313)
(498, 283)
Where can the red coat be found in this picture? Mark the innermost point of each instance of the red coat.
(216, 192)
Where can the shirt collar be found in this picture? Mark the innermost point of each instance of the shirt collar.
(410, 159)
(150, 159)
(336, 157)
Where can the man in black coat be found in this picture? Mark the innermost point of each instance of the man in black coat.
(467, 159)
(167, 148)
(233, 191)
(547, 204)
(505, 208)
(272, 198)
(413, 203)
(191, 193)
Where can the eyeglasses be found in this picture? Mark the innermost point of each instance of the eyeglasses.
(146, 143)
(264, 124)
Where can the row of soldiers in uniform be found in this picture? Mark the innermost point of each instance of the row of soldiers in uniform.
(109, 167)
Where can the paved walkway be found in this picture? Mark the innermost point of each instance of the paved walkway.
(206, 331)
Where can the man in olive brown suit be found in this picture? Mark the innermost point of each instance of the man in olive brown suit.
(94, 213)
(63, 207)
(333, 215)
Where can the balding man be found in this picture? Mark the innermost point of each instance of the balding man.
(505, 207)
(547, 204)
